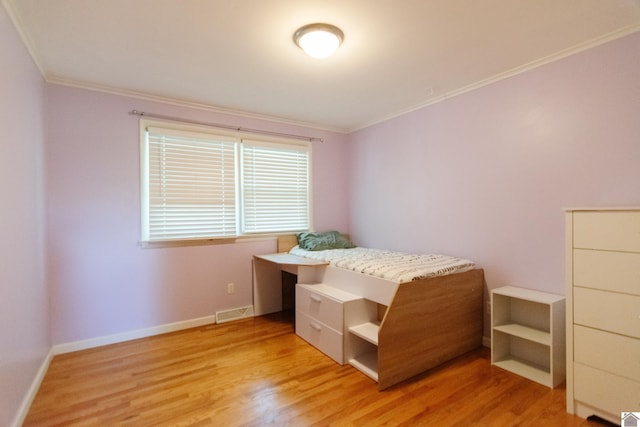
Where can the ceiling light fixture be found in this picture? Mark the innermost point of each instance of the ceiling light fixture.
(318, 40)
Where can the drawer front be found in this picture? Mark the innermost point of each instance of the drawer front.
(321, 336)
(609, 352)
(605, 391)
(320, 306)
(610, 230)
(608, 311)
(609, 271)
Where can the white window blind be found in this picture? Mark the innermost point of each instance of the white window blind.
(201, 185)
(191, 185)
(275, 187)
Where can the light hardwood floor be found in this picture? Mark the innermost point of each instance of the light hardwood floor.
(257, 372)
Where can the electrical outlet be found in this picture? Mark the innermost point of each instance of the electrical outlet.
(231, 288)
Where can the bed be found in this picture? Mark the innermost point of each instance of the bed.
(392, 326)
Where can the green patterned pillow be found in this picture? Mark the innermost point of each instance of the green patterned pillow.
(322, 241)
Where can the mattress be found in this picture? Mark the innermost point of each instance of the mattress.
(395, 266)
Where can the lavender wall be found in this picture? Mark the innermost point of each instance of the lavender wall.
(24, 314)
(101, 281)
(486, 175)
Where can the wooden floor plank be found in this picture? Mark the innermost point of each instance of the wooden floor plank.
(257, 372)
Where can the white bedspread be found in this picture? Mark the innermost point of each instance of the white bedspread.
(395, 266)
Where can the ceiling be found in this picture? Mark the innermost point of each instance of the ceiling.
(238, 55)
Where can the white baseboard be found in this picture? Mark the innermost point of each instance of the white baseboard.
(132, 335)
(486, 341)
(113, 339)
(18, 420)
(97, 342)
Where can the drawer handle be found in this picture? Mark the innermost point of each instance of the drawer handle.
(315, 298)
(315, 326)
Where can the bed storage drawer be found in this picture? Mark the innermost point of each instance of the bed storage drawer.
(311, 301)
(320, 317)
(321, 336)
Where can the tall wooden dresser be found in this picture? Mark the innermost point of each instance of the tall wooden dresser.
(603, 311)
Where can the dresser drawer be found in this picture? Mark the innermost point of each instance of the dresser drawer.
(609, 352)
(608, 311)
(321, 307)
(611, 393)
(321, 336)
(610, 230)
(609, 271)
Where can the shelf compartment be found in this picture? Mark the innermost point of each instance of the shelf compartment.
(367, 331)
(507, 346)
(527, 369)
(525, 332)
(367, 363)
(507, 310)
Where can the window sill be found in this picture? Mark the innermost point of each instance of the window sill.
(158, 244)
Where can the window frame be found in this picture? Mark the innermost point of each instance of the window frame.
(238, 137)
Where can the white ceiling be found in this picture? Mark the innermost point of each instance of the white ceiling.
(238, 55)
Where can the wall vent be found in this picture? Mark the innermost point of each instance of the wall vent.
(234, 314)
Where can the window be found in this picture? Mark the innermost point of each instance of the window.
(202, 184)
(275, 187)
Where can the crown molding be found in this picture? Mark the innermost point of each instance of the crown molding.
(15, 18)
(185, 103)
(510, 73)
(53, 79)
(22, 32)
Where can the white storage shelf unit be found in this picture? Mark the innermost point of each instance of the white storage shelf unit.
(528, 334)
(362, 346)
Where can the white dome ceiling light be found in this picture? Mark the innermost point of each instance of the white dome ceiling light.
(318, 40)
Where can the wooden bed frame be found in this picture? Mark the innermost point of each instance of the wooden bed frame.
(429, 322)
(422, 324)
